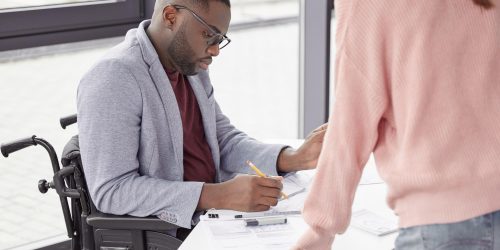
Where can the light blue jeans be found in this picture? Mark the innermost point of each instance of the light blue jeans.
(479, 233)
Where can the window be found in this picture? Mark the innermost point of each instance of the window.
(41, 22)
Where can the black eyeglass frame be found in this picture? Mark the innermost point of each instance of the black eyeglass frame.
(215, 37)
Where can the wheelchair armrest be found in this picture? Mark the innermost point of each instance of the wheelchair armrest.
(108, 221)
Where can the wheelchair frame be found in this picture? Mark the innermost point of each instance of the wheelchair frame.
(87, 227)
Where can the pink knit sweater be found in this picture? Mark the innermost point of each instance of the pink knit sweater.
(417, 84)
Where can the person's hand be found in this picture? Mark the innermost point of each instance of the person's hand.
(311, 148)
(250, 193)
(314, 239)
(306, 156)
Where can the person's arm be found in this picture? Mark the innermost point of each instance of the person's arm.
(109, 123)
(351, 136)
(361, 101)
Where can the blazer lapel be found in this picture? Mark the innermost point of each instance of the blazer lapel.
(171, 108)
(167, 95)
(208, 116)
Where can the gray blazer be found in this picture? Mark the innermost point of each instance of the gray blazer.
(131, 136)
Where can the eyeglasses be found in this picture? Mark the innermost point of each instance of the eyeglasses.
(214, 37)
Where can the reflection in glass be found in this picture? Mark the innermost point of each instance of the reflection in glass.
(11, 4)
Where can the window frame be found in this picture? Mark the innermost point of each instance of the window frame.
(52, 24)
(314, 64)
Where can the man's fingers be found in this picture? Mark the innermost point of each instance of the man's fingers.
(318, 135)
(322, 127)
(269, 182)
(318, 131)
(271, 192)
(268, 201)
(279, 178)
(261, 208)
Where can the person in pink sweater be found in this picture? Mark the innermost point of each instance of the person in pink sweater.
(417, 84)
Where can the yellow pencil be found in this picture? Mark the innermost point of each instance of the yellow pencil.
(259, 173)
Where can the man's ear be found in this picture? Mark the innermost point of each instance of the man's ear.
(169, 16)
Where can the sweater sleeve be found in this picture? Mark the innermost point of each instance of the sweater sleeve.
(351, 136)
(361, 100)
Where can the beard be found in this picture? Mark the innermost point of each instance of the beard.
(181, 54)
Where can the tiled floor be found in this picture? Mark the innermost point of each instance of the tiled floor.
(256, 83)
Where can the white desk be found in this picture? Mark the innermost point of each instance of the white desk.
(367, 196)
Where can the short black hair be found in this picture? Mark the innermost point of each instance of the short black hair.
(201, 4)
(204, 3)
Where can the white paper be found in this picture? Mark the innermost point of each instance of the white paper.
(235, 235)
(373, 223)
(230, 233)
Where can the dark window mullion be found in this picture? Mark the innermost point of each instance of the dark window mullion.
(67, 18)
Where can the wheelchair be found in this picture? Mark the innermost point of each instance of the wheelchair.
(88, 228)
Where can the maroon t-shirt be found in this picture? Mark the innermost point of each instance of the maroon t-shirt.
(198, 161)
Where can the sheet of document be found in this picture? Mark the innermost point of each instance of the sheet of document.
(235, 235)
(373, 223)
(227, 232)
(295, 186)
(230, 233)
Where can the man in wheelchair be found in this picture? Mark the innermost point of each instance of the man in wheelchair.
(153, 139)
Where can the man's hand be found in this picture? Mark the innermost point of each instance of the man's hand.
(306, 156)
(246, 193)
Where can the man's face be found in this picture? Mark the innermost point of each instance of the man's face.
(189, 50)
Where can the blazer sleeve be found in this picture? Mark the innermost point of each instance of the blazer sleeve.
(109, 105)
